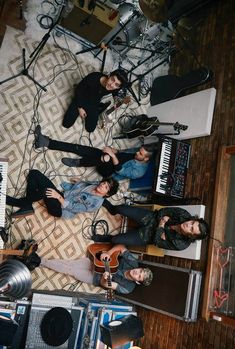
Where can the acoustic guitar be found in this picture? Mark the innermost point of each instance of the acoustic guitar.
(144, 126)
(94, 252)
(104, 119)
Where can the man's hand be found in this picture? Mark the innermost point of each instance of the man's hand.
(163, 221)
(52, 193)
(105, 256)
(74, 180)
(82, 113)
(109, 150)
(163, 236)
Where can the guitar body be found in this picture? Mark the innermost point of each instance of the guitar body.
(104, 119)
(170, 87)
(94, 251)
(143, 127)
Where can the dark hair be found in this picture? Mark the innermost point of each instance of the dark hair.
(148, 149)
(203, 227)
(113, 186)
(121, 75)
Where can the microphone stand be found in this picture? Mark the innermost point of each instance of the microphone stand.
(34, 55)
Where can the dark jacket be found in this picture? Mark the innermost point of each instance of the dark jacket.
(151, 233)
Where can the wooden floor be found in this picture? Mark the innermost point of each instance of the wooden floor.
(214, 46)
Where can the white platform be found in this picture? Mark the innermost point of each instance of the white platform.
(194, 110)
(194, 250)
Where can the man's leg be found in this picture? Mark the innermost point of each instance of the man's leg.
(37, 183)
(131, 237)
(81, 269)
(71, 114)
(132, 212)
(91, 119)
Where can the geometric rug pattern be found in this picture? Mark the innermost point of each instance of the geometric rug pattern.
(22, 106)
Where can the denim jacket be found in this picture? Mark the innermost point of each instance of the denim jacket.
(78, 198)
(131, 169)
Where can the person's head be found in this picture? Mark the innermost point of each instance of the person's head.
(107, 187)
(196, 228)
(142, 276)
(116, 80)
(143, 154)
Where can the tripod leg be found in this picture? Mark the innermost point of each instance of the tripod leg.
(11, 78)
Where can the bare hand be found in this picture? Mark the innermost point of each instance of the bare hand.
(105, 256)
(82, 113)
(74, 180)
(107, 275)
(163, 236)
(52, 193)
(108, 150)
(163, 221)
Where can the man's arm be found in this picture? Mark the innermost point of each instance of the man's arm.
(106, 276)
(112, 153)
(116, 248)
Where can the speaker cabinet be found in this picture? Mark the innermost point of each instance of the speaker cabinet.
(121, 331)
(8, 329)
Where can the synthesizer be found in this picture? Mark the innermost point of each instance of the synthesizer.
(171, 167)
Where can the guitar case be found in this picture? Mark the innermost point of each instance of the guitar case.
(169, 87)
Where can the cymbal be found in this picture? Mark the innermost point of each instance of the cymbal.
(155, 10)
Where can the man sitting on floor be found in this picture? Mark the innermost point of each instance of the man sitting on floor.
(171, 228)
(108, 161)
(76, 198)
(123, 281)
(86, 102)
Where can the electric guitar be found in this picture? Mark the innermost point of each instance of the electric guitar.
(104, 119)
(145, 126)
(94, 252)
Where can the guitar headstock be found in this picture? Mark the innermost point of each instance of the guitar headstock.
(110, 294)
(127, 99)
(124, 100)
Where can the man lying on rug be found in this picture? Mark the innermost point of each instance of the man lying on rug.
(86, 102)
(77, 197)
(123, 281)
(171, 228)
(108, 161)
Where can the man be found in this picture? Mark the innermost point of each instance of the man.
(171, 228)
(107, 161)
(76, 198)
(123, 281)
(86, 102)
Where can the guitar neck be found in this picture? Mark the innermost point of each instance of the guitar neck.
(107, 269)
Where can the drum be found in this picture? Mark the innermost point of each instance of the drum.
(128, 35)
(126, 11)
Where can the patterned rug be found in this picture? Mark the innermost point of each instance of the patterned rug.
(22, 106)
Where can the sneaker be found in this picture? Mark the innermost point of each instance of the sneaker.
(40, 139)
(23, 212)
(71, 162)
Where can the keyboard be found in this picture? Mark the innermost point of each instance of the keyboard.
(49, 300)
(3, 190)
(171, 168)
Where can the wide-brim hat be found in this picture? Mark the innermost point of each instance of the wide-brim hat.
(56, 326)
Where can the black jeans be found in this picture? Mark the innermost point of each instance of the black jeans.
(37, 183)
(91, 119)
(131, 237)
(91, 156)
